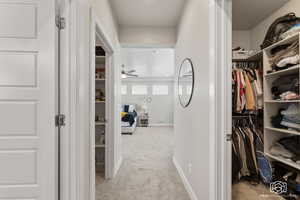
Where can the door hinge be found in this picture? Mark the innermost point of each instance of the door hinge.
(228, 137)
(60, 120)
(60, 22)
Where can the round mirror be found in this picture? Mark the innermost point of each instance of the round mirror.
(186, 82)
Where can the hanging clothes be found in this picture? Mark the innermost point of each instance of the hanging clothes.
(245, 137)
(247, 90)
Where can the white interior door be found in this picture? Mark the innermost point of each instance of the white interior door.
(27, 100)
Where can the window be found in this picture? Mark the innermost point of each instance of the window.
(139, 90)
(160, 90)
(124, 89)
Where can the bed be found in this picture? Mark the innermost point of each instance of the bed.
(129, 119)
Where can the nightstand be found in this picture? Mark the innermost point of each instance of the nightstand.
(144, 120)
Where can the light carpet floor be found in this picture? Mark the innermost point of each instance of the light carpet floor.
(147, 172)
(246, 191)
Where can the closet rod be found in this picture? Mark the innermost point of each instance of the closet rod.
(241, 117)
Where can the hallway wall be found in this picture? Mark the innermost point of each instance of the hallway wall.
(147, 36)
(192, 132)
(241, 38)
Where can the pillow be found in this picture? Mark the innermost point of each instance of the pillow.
(131, 108)
(123, 114)
(128, 108)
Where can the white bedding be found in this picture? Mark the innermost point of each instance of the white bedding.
(126, 128)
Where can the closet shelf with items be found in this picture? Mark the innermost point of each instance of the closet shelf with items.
(247, 56)
(100, 59)
(282, 101)
(280, 130)
(283, 72)
(100, 110)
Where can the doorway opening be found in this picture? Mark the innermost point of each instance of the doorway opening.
(264, 164)
(101, 146)
(147, 112)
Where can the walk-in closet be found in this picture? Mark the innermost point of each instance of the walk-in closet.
(265, 100)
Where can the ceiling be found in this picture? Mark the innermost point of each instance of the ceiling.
(160, 13)
(248, 13)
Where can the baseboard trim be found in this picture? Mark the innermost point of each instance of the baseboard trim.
(186, 183)
(118, 166)
(161, 125)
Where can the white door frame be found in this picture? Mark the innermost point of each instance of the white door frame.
(96, 29)
(77, 80)
(222, 56)
(69, 175)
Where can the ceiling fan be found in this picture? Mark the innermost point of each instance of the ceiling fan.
(128, 73)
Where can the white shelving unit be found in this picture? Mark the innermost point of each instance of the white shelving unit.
(271, 108)
(97, 102)
(100, 145)
(99, 123)
(100, 112)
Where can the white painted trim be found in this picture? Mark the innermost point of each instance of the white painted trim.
(161, 46)
(70, 172)
(222, 15)
(147, 79)
(91, 78)
(161, 125)
(118, 166)
(185, 181)
(213, 105)
(96, 29)
(78, 178)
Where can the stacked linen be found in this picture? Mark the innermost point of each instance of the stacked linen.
(284, 56)
(292, 31)
(287, 118)
(291, 117)
(287, 147)
(286, 88)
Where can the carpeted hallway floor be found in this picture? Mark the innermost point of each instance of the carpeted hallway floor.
(147, 172)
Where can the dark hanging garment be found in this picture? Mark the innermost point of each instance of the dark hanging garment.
(236, 165)
(279, 26)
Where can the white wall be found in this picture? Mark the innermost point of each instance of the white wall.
(258, 33)
(147, 36)
(192, 130)
(241, 39)
(149, 62)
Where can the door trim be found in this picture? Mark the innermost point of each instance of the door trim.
(77, 171)
(222, 20)
(96, 29)
(70, 173)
